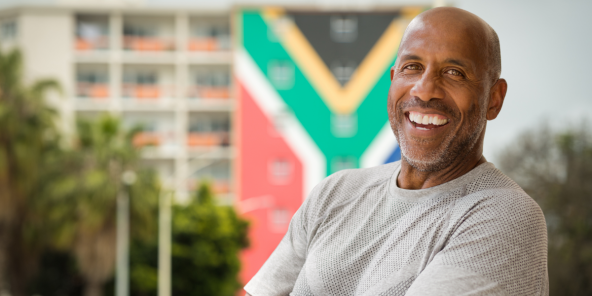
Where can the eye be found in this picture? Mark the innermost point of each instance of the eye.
(412, 67)
(454, 72)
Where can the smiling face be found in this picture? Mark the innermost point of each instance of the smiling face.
(439, 95)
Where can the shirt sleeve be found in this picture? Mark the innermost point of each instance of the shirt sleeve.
(279, 273)
(438, 280)
(499, 247)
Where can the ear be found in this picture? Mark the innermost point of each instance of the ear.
(497, 94)
(392, 72)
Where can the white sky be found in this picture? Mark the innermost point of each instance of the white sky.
(546, 55)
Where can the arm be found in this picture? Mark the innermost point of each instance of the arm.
(280, 272)
(498, 248)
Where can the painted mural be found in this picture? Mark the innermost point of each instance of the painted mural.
(312, 92)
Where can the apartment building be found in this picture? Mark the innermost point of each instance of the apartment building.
(168, 70)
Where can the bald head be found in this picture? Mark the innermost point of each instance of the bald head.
(464, 26)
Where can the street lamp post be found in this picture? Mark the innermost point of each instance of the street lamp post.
(164, 244)
(165, 238)
(123, 212)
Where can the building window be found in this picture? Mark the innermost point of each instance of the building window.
(344, 125)
(8, 30)
(343, 71)
(344, 28)
(139, 31)
(210, 36)
(142, 84)
(279, 219)
(280, 171)
(281, 74)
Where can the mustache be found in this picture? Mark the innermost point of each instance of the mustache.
(431, 104)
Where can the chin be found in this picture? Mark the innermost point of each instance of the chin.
(427, 162)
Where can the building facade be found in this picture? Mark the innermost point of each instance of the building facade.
(167, 70)
(263, 102)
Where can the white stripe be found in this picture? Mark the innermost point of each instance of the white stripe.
(380, 149)
(270, 102)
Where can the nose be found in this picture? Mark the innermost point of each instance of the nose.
(428, 87)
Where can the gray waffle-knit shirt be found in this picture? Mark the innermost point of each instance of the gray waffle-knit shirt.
(358, 233)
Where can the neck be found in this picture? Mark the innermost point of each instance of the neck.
(411, 178)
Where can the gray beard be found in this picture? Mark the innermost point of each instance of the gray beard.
(454, 146)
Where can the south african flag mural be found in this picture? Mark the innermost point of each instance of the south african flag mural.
(312, 92)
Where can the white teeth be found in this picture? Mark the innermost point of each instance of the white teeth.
(425, 119)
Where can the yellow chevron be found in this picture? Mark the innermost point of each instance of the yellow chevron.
(341, 100)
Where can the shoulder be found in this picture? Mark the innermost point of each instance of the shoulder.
(496, 205)
(495, 193)
(499, 231)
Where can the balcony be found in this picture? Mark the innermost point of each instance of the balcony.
(156, 144)
(137, 43)
(95, 91)
(91, 33)
(208, 130)
(145, 86)
(210, 82)
(209, 34)
(157, 137)
(208, 44)
(209, 92)
(208, 139)
(92, 87)
(146, 92)
(144, 139)
(152, 34)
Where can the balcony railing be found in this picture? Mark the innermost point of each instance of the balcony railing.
(207, 139)
(147, 43)
(152, 139)
(147, 139)
(100, 43)
(209, 92)
(92, 90)
(147, 92)
(208, 44)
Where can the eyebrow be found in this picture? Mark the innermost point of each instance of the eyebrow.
(406, 57)
(456, 62)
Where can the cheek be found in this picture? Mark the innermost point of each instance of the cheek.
(466, 101)
(397, 92)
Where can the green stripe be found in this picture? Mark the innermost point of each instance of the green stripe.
(307, 105)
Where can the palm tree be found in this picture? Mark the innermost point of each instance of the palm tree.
(27, 135)
(104, 151)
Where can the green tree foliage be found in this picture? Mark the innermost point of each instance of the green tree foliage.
(207, 239)
(103, 152)
(29, 143)
(58, 206)
(60, 275)
(555, 168)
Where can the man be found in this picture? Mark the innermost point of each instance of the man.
(443, 220)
